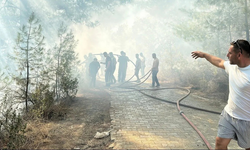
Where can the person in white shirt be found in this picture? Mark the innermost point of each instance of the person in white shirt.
(137, 67)
(155, 69)
(234, 121)
(143, 64)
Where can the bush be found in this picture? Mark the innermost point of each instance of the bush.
(12, 129)
(42, 99)
(69, 87)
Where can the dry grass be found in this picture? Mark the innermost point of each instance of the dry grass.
(38, 133)
(42, 132)
(53, 134)
(84, 117)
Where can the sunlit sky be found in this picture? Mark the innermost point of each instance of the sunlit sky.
(99, 39)
(141, 25)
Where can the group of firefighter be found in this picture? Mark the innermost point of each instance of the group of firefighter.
(109, 62)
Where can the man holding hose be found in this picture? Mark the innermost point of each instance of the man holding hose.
(234, 121)
(155, 70)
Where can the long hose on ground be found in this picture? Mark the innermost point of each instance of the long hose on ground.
(194, 127)
(177, 103)
(188, 106)
(180, 111)
(147, 74)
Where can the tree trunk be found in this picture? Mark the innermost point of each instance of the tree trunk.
(27, 77)
(57, 76)
(246, 21)
(57, 73)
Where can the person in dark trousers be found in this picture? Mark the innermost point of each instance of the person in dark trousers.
(123, 63)
(155, 70)
(108, 69)
(143, 64)
(113, 67)
(234, 120)
(137, 67)
(102, 69)
(94, 66)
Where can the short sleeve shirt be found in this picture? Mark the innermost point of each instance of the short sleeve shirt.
(108, 61)
(239, 91)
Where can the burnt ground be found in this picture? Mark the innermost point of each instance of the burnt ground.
(86, 115)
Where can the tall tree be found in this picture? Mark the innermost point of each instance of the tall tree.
(29, 56)
(215, 23)
(65, 64)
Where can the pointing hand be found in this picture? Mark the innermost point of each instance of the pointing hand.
(197, 54)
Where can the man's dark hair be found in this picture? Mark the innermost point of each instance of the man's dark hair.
(111, 54)
(241, 45)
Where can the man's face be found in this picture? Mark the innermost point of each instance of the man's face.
(232, 55)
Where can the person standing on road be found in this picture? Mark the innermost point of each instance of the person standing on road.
(234, 120)
(143, 65)
(94, 66)
(137, 67)
(123, 63)
(108, 69)
(102, 69)
(155, 70)
(113, 67)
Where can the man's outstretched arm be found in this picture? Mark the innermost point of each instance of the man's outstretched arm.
(216, 61)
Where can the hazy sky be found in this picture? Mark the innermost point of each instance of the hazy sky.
(132, 18)
(140, 26)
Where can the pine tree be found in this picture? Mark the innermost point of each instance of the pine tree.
(29, 56)
(65, 64)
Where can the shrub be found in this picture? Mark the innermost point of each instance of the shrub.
(12, 129)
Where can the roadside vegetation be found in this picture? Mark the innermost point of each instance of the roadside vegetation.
(44, 81)
(39, 74)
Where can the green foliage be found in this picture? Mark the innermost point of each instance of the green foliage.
(12, 126)
(214, 23)
(28, 55)
(12, 129)
(44, 75)
(4, 80)
(42, 100)
(69, 86)
(65, 64)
